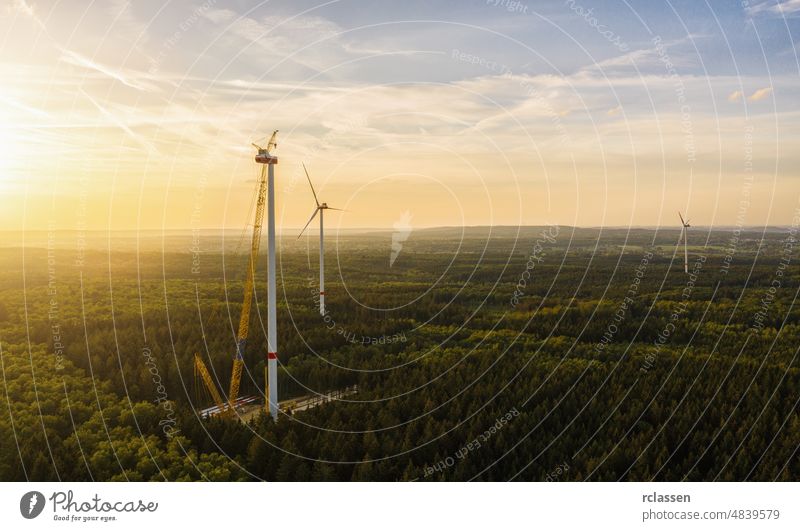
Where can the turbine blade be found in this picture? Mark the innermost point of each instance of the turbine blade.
(680, 216)
(309, 223)
(339, 209)
(256, 145)
(311, 185)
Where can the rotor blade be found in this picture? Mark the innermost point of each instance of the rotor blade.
(339, 209)
(311, 185)
(680, 216)
(256, 145)
(687, 222)
(309, 223)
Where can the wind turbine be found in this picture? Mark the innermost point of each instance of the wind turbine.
(685, 234)
(321, 208)
(265, 157)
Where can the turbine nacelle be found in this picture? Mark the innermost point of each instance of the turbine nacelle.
(264, 156)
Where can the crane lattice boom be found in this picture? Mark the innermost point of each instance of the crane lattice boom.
(244, 320)
(201, 371)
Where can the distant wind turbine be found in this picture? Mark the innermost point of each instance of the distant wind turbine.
(321, 207)
(685, 234)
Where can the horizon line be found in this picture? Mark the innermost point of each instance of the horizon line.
(382, 229)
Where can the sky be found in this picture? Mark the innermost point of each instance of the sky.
(122, 115)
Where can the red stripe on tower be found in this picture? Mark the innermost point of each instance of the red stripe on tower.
(272, 355)
(322, 293)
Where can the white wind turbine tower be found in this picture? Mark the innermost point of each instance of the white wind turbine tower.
(266, 157)
(685, 234)
(321, 208)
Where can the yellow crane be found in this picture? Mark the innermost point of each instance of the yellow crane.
(244, 319)
(200, 371)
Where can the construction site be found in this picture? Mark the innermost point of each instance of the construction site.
(244, 408)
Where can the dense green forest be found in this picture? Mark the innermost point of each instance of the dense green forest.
(490, 354)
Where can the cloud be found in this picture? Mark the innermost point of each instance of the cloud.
(126, 24)
(648, 57)
(629, 59)
(117, 120)
(769, 8)
(278, 36)
(77, 59)
(23, 7)
(219, 16)
(760, 94)
(615, 111)
(27, 10)
(19, 105)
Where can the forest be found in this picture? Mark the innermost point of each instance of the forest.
(491, 354)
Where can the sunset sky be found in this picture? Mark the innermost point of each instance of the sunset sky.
(139, 115)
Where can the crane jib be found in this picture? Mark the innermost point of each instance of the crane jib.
(244, 321)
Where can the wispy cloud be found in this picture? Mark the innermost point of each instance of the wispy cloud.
(778, 8)
(114, 118)
(76, 59)
(760, 94)
(281, 38)
(648, 57)
(355, 87)
(23, 7)
(11, 102)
